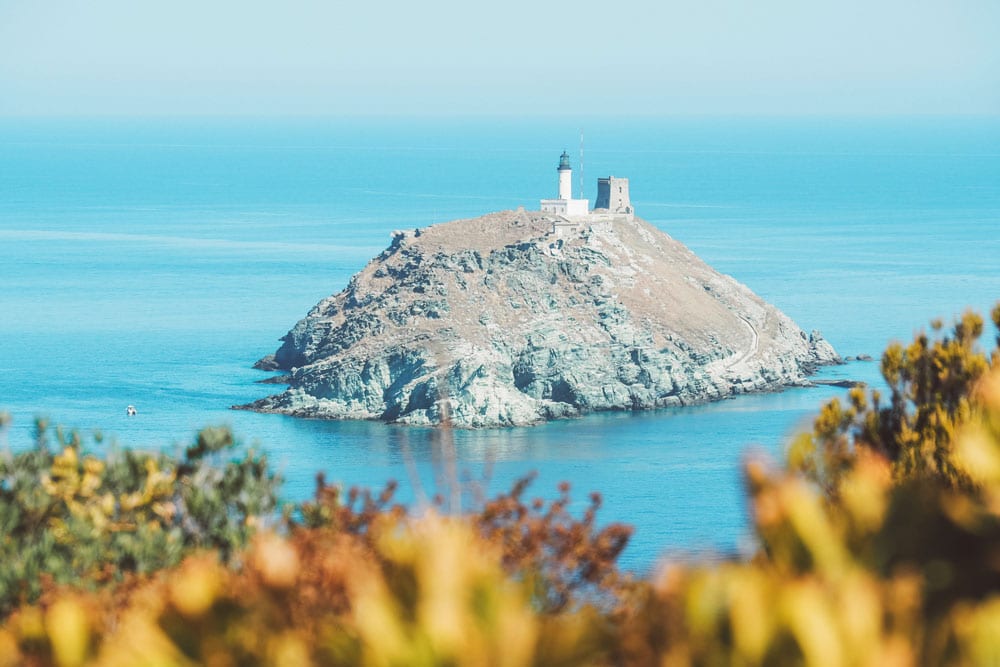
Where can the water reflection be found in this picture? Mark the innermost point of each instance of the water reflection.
(673, 474)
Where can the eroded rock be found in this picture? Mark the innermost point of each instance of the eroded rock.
(494, 322)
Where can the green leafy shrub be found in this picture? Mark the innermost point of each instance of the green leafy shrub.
(69, 516)
(932, 382)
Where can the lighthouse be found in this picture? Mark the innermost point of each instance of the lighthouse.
(565, 177)
(565, 205)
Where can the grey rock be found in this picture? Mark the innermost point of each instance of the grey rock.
(494, 322)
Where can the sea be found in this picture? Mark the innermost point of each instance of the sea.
(152, 261)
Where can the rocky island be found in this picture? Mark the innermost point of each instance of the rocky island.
(521, 316)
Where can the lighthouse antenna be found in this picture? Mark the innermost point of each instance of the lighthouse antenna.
(581, 164)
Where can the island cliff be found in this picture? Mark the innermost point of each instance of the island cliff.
(510, 319)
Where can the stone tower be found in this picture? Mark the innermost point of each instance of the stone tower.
(612, 194)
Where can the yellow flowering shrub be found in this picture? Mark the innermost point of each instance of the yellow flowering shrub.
(71, 517)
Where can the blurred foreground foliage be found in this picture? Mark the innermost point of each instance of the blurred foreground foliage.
(879, 544)
(70, 517)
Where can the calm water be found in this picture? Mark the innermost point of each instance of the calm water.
(152, 262)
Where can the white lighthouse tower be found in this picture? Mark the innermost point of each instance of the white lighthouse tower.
(565, 205)
(565, 177)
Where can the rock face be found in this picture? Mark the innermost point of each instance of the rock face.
(498, 321)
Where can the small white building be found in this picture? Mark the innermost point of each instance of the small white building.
(565, 205)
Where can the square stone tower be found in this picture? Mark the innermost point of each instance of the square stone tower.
(612, 194)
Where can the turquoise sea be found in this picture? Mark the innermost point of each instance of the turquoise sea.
(151, 262)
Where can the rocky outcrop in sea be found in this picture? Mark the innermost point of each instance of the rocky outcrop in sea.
(500, 320)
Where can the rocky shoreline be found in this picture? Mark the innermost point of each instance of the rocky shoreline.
(500, 321)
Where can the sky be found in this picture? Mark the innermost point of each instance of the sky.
(509, 57)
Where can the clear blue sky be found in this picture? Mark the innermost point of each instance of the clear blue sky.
(504, 57)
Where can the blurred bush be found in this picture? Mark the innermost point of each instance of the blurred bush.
(879, 544)
(72, 517)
